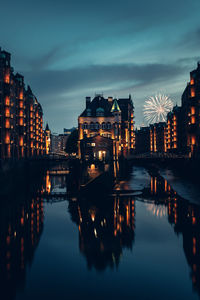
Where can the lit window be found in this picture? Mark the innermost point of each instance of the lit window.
(7, 101)
(7, 123)
(7, 78)
(7, 112)
(192, 110)
(193, 119)
(192, 92)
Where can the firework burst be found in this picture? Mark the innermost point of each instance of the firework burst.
(156, 108)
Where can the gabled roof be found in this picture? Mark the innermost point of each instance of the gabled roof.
(115, 106)
(99, 103)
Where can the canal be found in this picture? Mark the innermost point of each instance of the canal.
(142, 246)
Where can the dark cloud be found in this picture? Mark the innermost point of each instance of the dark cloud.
(97, 76)
(191, 40)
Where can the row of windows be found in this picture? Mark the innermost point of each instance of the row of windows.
(96, 125)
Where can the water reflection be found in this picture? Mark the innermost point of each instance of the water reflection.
(21, 224)
(54, 183)
(105, 227)
(183, 216)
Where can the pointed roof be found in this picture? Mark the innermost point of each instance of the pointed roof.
(115, 106)
(47, 127)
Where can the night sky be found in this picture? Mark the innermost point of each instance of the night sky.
(71, 49)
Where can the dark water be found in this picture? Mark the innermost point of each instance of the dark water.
(142, 247)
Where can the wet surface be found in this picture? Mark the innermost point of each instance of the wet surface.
(134, 247)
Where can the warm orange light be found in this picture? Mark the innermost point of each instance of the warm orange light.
(192, 81)
(192, 92)
(7, 101)
(193, 220)
(7, 138)
(21, 105)
(21, 123)
(21, 95)
(193, 120)
(7, 123)
(7, 112)
(21, 142)
(92, 167)
(192, 110)
(193, 140)
(7, 78)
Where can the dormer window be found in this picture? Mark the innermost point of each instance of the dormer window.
(99, 112)
(88, 112)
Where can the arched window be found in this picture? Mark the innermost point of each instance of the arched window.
(85, 126)
(108, 125)
(91, 125)
(97, 125)
(103, 125)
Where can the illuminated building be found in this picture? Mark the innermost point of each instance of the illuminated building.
(191, 111)
(47, 139)
(21, 116)
(173, 138)
(111, 119)
(58, 143)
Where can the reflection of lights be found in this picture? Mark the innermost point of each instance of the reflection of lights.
(95, 232)
(92, 213)
(157, 210)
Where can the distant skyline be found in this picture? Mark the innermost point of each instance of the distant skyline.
(68, 50)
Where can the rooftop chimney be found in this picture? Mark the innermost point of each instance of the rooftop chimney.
(110, 99)
(88, 101)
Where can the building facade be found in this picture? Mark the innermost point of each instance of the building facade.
(111, 119)
(157, 137)
(58, 143)
(191, 111)
(174, 131)
(21, 115)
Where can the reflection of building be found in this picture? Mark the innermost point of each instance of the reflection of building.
(184, 217)
(21, 227)
(21, 115)
(104, 230)
(110, 118)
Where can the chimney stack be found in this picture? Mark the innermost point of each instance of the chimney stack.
(110, 99)
(88, 101)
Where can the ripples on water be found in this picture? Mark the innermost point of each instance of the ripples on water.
(140, 247)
